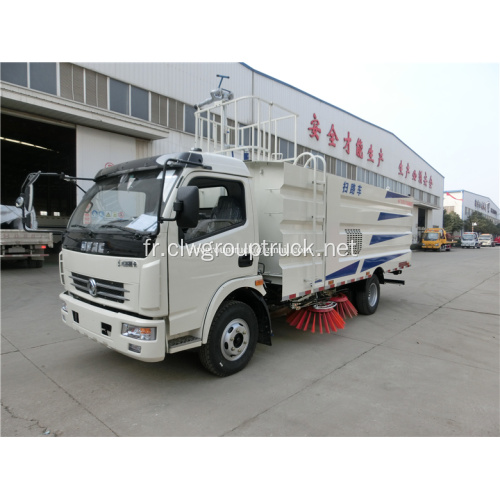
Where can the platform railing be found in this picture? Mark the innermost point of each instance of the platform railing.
(249, 128)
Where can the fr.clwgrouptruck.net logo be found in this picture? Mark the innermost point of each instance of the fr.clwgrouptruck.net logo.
(209, 250)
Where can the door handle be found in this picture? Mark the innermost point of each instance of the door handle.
(245, 260)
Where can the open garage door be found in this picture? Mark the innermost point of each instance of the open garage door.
(30, 145)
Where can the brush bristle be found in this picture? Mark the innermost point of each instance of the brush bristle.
(344, 306)
(324, 316)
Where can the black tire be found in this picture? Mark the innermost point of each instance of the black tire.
(368, 295)
(232, 339)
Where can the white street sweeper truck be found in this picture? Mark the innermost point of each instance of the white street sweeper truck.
(193, 250)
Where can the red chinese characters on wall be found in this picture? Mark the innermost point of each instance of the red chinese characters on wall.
(420, 176)
(380, 157)
(359, 148)
(333, 136)
(315, 130)
(347, 145)
(417, 176)
(370, 154)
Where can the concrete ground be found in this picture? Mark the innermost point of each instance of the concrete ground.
(426, 364)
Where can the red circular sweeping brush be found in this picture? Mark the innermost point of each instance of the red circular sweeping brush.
(324, 314)
(344, 306)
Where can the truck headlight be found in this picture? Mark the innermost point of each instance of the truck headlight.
(138, 332)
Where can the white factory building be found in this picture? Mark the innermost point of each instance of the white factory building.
(77, 118)
(464, 203)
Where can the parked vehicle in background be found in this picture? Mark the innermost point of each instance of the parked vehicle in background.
(470, 240)
(436, 238)
(486, 240)
(16, 244)
(497, 240)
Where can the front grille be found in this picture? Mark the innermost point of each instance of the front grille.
(104, 289)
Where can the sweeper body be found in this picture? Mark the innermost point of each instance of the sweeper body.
(196, 250)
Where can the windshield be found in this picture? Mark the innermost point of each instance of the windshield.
(468, 237)
(128, 201)
(485, 237)
(431, 236)
(119, 213)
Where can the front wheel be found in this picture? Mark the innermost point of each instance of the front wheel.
(368, 295)
(232, 339)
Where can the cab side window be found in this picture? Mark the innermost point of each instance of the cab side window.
(222, 207)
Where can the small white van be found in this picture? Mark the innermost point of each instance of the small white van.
(486, 240)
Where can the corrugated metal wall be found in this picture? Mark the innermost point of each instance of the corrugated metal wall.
(187, 82)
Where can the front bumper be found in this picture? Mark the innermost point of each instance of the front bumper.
(105, 327)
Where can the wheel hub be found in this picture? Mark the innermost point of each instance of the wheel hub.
(372, 294)
(234, 340)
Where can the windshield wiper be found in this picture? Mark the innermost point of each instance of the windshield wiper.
(135, 232)
(81, 226)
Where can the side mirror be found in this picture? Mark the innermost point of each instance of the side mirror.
(187, 206)
(25, 202)
(26, 199)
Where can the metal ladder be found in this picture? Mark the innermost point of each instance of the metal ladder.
(318, 217)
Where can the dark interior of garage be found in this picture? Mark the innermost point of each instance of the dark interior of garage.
(31, 146)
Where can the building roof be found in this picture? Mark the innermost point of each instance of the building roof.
(339, 109)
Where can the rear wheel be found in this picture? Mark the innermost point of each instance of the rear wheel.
(232, 339)
(368, 295)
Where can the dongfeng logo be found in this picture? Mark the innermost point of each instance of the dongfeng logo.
(92, 287)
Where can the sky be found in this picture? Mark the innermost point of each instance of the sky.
(448, 113)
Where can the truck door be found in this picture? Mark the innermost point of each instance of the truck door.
(203, 258)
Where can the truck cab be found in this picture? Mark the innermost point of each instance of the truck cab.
(147, 258)
(435, 238)
(470, 240)
(486, 240)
